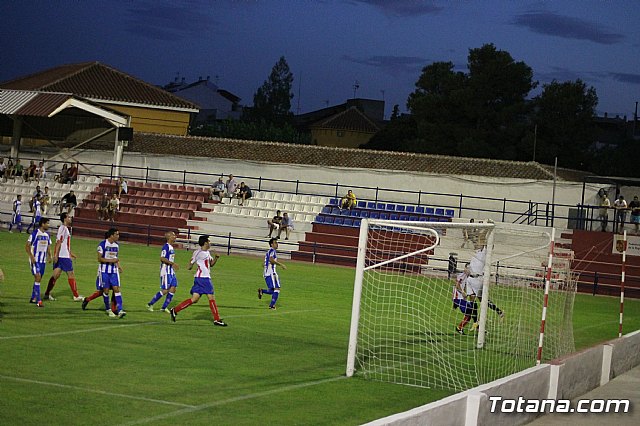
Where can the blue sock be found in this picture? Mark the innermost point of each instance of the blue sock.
(118, 301)
(157, 297)
(105, 298)
(36, 291)
(167, 301)
(267, 291)
(274, 298)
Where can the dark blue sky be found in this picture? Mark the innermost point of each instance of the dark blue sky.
(328, 44)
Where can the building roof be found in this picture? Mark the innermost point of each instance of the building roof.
(351, 119)
(336, 157)
(101, 83)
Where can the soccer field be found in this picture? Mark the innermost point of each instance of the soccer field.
(62, 365)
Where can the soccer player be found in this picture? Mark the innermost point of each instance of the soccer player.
(202, 281)
(474, 281)
(37, 213)
(62, 260)
(270, 274)
(460, 300)
(17, 215)
(110, 270)
(39, 251)
(168, 281)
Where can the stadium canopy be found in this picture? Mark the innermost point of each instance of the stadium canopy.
(63, 120)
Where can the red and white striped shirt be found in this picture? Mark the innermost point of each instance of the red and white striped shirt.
(64, 236)
(202, 259)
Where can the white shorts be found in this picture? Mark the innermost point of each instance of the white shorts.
(474, 286)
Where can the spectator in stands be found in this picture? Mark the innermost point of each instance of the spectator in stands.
(18, 169)
(274, 223)
(620, 206)
(217, 190)
(68, 202)
(634, 206)
(10, 170)
(37, 193)
(114, 207)
(41, 172)
(244, 193)
(45, 200)
(30, 172)
(64, 174)
(73, 173)
(3, 169)
(603, 212)
(102, 208)
(122, 187)
(348, 201)
(286, 225)
(232, 186)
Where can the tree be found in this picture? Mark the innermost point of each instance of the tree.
(564, 116)
(272, 100)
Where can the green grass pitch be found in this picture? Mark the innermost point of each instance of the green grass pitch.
(62, 365)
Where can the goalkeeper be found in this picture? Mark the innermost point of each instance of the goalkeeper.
(473, 286)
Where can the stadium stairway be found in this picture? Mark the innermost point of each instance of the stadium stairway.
(244, 229)
(12, 187)
(146, 212)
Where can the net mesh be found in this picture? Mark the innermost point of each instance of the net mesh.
(408, 324)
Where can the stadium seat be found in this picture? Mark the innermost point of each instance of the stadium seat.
(319, 219)
(157, 203)
(333, 201)
(156, 185)
(166, 204)
(404, 217)
(410, 209)
(440, 212)
(364, 213)
(380, 206)
(326, 209)
(328, 220)
(173, 187)
(449, 213)
(355, 213)
(423, 219)
(428, 210)
(420, 209)
(348, 222)
(335, 210)
(356, 223)
(400, 208)
(371, 205)
(384, 216)
(362, 204)
(374, 215)
(393, 216)
(391, 207)
(413, 218)
(338, 221)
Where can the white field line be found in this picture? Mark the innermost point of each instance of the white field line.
(231, 400)
(78, 388)
(108, 327)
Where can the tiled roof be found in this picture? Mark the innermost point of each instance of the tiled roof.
(24, 102)
(99, 82)
(350, 119)
(337, 157)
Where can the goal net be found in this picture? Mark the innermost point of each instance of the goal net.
(408, 327)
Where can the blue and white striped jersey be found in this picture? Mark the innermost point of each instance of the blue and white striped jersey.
(17, 207)
(168, 253)
(108, 250)
(270, 268)
(36, 208)
(40, 242)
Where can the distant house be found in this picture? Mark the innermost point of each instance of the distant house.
(215, 103)
(150, 108)
(347, 125)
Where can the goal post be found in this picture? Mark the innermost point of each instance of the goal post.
(411, 324)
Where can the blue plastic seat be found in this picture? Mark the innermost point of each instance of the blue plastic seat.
(335, 210)
(384, 216)
(371, 205)
(400, 208)
(420, 209)
(393, 216)
(356, 223)
(346, 212)
(440, 212)
(404, 217)
(328, 219)
(362, 204)
(449, 213)
(326, 209)
(348, 222)
(355, 213)
(391, 207)
(319, 219)
(413, 218)
(364, 213)
(410, 209)
(428, 210)
(380, 206)
(333, 201)
(423, 219)
(374, 215)
(338, 221)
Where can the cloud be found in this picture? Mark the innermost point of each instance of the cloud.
(557, 73)
(168, 21)
(552, 24)
(625, 78)
(391, 64)
(403, 8)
